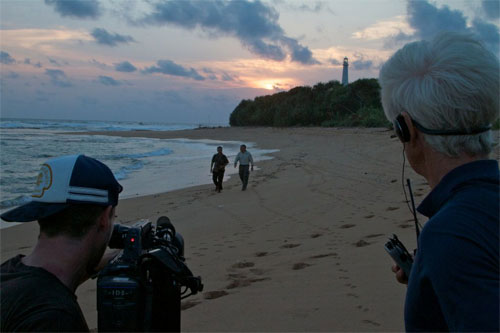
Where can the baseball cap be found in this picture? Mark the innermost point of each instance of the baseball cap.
(73, 179)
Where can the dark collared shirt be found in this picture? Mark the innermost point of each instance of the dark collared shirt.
(454, 282)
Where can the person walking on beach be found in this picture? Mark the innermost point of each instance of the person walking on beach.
(245, 159)
(74, 202)
(442, 96)
(218, 167)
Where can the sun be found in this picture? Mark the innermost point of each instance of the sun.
(268, 86)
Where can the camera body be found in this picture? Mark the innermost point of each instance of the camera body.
(141, 289)
(399, 254)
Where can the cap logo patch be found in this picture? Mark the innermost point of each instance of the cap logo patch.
(43, 181)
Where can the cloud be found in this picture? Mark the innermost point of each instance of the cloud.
(54, 62)
(38, 65)
(98, 64)
(105, 38)
(12, 75)
(312, 7)
(227, 77)
(334, 61)
(27, 61)
(255, 24)
(427, 20)
(168, 67)
(108, 81)
(362, 64)
(125, 67)
(491, 9)
(76, 8)
(58, 78)
(6, 59)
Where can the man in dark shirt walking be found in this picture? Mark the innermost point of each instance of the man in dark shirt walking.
(442, 96)
(218, 167)
(74, 202)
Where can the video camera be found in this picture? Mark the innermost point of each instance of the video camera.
(141, 289)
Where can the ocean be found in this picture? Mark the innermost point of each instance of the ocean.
(142, 165)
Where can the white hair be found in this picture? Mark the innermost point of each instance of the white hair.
(448, 83)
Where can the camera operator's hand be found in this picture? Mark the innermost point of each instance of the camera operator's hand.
(400, 275)
(106, 258)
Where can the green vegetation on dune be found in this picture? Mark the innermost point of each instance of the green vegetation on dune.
(326, 104)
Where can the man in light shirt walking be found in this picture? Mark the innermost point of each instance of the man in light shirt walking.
(246, 160)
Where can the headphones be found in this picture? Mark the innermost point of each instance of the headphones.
(403, 132)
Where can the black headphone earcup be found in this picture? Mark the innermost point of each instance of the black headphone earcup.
(401, 129)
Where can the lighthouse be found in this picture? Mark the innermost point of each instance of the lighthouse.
(345, 73)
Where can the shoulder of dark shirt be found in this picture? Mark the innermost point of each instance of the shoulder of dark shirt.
(51, 320)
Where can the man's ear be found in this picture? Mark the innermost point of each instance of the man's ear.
(105, 218)
(411, 128)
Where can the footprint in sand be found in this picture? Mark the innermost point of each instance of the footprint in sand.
(318, 256)
(260, 254)
(300, 265)
(215, 294)
(347, 226)
(316, 235)
(289, 246)
(189, 304)
(361, 243)
(374, 235)
(369, 216)
(244, 282)
(243, 264)
(391, 208)
(374, 323)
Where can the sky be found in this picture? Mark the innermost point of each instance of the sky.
(192, 62)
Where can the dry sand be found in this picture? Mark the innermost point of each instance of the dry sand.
(301, 249)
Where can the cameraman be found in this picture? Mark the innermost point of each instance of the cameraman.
(74, 202)
(443, 97)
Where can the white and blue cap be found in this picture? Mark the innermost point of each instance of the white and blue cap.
(74, 179)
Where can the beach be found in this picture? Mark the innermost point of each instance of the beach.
(300, 250)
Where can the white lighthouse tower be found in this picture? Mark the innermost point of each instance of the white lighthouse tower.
(345, 73)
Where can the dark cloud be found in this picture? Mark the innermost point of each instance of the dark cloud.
(312, 7)
(125, 67)
(6, 59)
(491, 9)
(428, 20)
(334, 61)
(54, 62)
(76, 8)
(108, 81)
(227, 77)
(98, 64)
(168, 67)
(58, 78)
(361, 64)
(38, 65)
(105, 38)
(488, 33)
(254, 23)
(12, 75)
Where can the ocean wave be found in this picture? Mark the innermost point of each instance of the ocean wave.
(81, 126)
(124, 171)
(159, 152)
